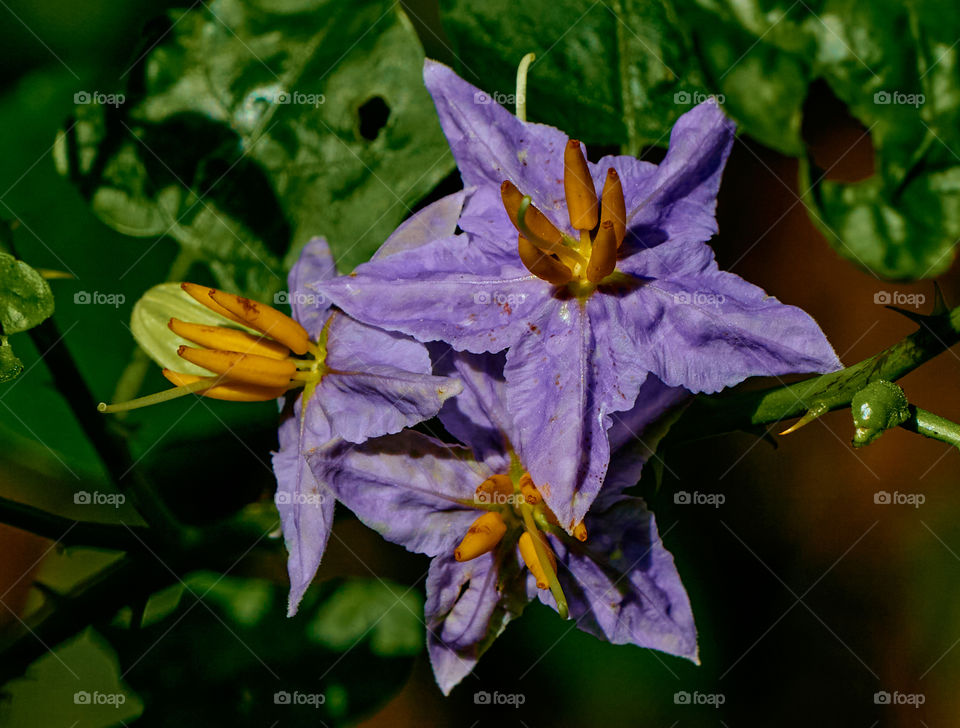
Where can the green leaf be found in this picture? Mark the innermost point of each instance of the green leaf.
(25, 297)
(388, 614)
(10, 365)
(251, 127)
(618, 72)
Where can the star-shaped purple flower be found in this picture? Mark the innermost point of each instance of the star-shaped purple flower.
(593, 297)
(371, 383)
(619, 582)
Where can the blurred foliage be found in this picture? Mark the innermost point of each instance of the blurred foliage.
(248, 128)
(25, 301)
(622, 72)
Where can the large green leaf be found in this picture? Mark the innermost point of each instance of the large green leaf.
(250, 127)
(618, 72)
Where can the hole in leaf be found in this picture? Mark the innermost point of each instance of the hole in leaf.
(839, 144)
(373, 117)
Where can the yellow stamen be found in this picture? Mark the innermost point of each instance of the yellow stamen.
(231, 392)
(578, 187)
(529, 553)
(483, 536)
(220, 337)
(539, 230)
(603, 256)
(542, 265)
(580, 532)
(529, 490)
(246, 368)
(157, 397)
(612, 205)
(495, 489)
(267, 320)
(201, 294)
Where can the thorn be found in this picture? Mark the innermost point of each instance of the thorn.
(817, 410)
(939, 302)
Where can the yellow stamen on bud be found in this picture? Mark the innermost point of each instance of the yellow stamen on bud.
(603, 256)
(529, 553)
(246, 368)
(201, 294)
(580, 532)
(230, 392)
(529, 490)
(265, 319)
(220, 337)
(483, 536)
(495, 489)
(612, 205)
(578, 187)
(542, 265)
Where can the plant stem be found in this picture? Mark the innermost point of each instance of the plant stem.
(930, 425)
(708, 416)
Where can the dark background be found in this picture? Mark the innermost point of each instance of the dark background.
(809, 596)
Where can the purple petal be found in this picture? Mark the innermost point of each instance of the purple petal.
(713, 330)
(465, 612)
(436, 220)
(305, 505)
(622, 585)
(309, 306)
(491, 145)
(551, 394)
(410, 488)
(478, 416)
(450, 290)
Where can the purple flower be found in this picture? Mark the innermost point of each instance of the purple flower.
(366, 383)
(590, 294)
(475, 510)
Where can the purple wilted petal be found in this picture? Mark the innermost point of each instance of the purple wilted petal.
(465, 611)
(410, 488)
(309, 306)
(305, 504)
